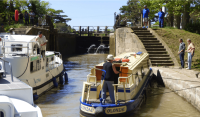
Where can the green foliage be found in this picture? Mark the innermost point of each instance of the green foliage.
(193, 27)
(39, 7)
(131, 11)
(7, 27)
(62, 27)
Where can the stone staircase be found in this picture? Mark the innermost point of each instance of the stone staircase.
(157, 53)
(22, 30)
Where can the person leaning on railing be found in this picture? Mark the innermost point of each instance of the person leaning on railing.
(42, 43)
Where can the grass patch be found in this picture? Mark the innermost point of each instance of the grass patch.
(171, 37)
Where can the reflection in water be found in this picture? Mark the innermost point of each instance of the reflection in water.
(64, 101)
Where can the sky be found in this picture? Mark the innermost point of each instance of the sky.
(89, 12)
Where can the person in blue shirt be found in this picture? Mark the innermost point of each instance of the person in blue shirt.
(161, 15)
(145, 16)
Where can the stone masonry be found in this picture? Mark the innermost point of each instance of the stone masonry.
(181, 81)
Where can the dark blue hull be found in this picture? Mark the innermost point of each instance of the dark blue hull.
(88, 110)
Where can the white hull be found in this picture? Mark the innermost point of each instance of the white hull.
(40, 80)
(28, 65)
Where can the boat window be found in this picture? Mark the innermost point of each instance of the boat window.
(35, 65)
(1, 114)
(14, 47)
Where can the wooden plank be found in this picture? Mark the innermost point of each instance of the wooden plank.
(99, 73)
(124, 73)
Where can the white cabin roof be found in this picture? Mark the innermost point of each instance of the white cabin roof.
(25, 38)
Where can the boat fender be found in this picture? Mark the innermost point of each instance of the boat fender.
(35, 97)
(66, 76)
(61, 78)
(122, 59)
(101, 100)
(54, 82)
(99, 112)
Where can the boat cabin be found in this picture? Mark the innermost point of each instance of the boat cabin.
(127, 84)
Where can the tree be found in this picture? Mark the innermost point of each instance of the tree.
(131, 11)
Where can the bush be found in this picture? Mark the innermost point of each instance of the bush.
(193, 27)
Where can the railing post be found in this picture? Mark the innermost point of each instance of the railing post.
(88, 31)
(124, 91)
(11, 71)
(97, 29)
(79, 30)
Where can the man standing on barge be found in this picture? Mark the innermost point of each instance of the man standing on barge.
(42, 43)
(109, 78)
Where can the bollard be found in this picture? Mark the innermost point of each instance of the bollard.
(66, 76)
(55, 82)
(35, 96)
(61, 79)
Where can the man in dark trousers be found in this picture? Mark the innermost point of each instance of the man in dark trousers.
(181, 52)
(109, 78)
(161, 15)
(26, 16)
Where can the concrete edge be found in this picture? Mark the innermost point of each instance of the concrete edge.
(166, 47)
(187, 90)
(138, 40)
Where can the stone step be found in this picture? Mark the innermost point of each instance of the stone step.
(148, 38)
(154, 46)
(146, 44)
(140, 36)
(150, 41)
(155, 49)
(139, 29)
(20, 32)
(143, 33)
(162, 64)
(20, 29)
(159, 58)
(158, 55)
(161, 61)
(157, 52)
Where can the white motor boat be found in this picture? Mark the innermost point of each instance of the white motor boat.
(16, 97)
(29, 66)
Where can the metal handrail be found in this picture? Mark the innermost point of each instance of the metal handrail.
(28, 42)
(10, 68)
(125, 78)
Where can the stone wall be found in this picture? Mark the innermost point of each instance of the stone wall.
(66, 43)
(127, 41)
(112, 44)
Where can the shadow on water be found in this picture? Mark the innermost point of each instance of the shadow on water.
(152, 102)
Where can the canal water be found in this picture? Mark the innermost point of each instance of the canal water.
(64, 100)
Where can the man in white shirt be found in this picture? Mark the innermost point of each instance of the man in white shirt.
(42, 43)
(190, 51)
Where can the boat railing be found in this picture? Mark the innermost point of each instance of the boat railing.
(4, 61)
(56, 61)
(127, 80)
(28, 44)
